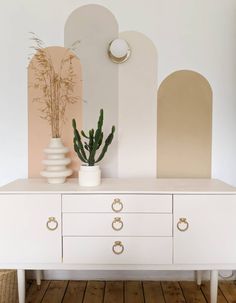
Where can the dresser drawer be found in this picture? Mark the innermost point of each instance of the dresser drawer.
(106, 250)
(117, 203)
(81, 224)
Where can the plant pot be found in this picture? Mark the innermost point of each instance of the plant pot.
(89, 175)
(56, 162)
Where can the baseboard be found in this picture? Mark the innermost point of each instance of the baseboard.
(119, 275)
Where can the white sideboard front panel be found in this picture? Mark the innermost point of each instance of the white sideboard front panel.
(210, 237)
(130, 203)
(137, 250)
(77, 224)
(25, 237)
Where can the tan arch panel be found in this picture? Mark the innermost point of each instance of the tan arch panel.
(39, 131)
(184, 126)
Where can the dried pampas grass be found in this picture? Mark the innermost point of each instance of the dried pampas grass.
(56, 87)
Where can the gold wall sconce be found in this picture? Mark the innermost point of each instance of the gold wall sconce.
(119, 50)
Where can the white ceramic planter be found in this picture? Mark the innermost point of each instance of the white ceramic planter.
(56, 162)
(89, 175)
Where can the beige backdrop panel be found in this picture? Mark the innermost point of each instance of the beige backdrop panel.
(39, 132)
(184, 126)
(137, 108)
(95, 26)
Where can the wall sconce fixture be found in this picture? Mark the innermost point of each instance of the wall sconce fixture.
(119, 50)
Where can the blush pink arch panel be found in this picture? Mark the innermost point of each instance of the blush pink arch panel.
(39, 132)
(184, 126)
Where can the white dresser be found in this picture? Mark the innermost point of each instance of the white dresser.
(123, 224)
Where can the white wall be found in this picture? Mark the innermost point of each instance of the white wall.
(189, 34)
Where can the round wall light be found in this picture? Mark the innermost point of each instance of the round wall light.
(119, 50)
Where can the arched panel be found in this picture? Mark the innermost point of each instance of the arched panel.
(184, 126)
(94, 26)
(39, 131)
(137, 108)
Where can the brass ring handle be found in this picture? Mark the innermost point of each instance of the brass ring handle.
(116, 203)
(50, 221)
(121, 248)
(117, 220)
(182, 221)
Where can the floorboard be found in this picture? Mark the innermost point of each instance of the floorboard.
(172, 292)
(229, 291)
(127, 292)
(153, 292)
(114, 292)
(192, 292)
(55, 292)
(133, 292)
(94, 292)
(206, 291)
(75, 292)
(35, 295)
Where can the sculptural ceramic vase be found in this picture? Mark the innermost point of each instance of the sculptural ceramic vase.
(89, 175)
(56, 162)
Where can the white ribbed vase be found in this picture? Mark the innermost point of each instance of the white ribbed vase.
(89, 175)
(56, 162)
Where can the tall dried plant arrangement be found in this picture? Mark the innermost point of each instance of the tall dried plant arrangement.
(56, 87)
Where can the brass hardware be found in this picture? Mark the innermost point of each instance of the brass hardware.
(54, 221)
(117, 220)
(118, 244)
(118, 203)
(118, 60)
(181, 222)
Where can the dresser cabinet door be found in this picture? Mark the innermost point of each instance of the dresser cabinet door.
(30, 228)
(204, 229)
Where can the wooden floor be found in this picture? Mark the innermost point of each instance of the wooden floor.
(126, 292)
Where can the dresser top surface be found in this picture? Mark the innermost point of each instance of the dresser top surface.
(122, 185)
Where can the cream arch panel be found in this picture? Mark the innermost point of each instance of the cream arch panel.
(95, 26)
(137, 108)
(39, 132)
(184, 126)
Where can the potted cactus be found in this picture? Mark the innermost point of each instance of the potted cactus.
(90, 173)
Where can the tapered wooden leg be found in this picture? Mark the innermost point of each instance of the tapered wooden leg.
(214, 286)
(199, 277)
(38, 278)
(21, 285)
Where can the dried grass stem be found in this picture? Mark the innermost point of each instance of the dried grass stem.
(56, 87)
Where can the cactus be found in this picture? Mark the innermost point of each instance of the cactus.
(86, 151)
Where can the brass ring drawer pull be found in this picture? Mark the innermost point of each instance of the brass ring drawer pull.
(52, 223)
(118, 248)
(117, 205)
(115, 222)
(183, 224)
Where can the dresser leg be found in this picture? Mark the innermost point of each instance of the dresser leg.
(199, 277)
(214, 286)
(21, 285)
(38, 278)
